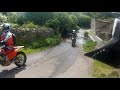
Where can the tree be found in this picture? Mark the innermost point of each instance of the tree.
(12, 17)
(65, 23)
(21, 18)
(53, 23)
(84, 21)
(2, 17)
(5, 13)
(74, 22)
(100, 15)
(39, 17)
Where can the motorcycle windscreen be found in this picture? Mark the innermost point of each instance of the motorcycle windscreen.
(112, 45)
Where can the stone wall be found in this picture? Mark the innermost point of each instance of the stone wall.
(32, 34)
(102, 28)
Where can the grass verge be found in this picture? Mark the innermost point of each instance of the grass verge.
(99, 69)
(102, 70)
(30, 51)
(89, 45)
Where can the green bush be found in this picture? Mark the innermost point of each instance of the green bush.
(12, 17)
(30, 25)
(39, 17)
(86, 34)
(35, 45)
(2, 17)
(77, 28)
(21, 18)
(65, 23)
(14, 25)
(40, 42)
(89, 45)
(53, 41)
(84, 21)
(54, 23)
(74, 22)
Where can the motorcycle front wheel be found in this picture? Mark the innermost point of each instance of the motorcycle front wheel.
(20, 59)
(73, 43)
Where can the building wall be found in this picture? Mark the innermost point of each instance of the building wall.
(102, 28)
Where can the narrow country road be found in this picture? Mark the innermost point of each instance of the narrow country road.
(61, 61)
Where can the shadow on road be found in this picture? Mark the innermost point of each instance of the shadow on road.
(11, 73)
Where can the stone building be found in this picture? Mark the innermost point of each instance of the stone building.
(102, 28)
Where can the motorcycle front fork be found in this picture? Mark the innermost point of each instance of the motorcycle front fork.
(73, 43)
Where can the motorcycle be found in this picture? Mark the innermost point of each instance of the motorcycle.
(73, 41)
(15, 56)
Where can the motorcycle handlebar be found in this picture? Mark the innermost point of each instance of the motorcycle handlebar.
(2, 46)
